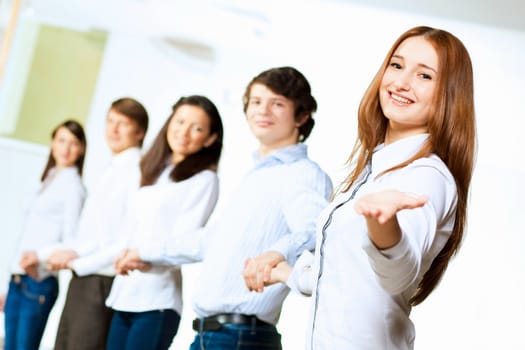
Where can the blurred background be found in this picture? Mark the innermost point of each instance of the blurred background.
(71, 59)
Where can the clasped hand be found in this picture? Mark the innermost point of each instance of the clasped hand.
(129, 260)
(60, 259)
(264, 270)
(29, 263)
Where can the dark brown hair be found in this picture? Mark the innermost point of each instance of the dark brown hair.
(134, 110)
(290, 83)
(76, 129)
(157, 157)
(451, 128)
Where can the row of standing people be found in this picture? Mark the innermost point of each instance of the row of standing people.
(165, 194)
(383, 242)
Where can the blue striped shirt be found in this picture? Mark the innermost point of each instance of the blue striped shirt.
(275, 207)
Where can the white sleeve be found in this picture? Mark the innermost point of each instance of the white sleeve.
(72, 208)
(98, 253)
(185, 238)
(424, 230)
(97, 261)
(302, 279)
(74, 195)
(304, 202)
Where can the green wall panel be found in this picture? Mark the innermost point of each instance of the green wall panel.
(61, 81)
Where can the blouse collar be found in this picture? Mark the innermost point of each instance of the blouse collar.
(388, 156)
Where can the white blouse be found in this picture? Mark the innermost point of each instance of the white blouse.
(360, 293)
(156, 213)
(51, 217)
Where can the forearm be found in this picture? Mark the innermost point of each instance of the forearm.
(176, 250)
(398, 266)
(385, 235)
(93, 263)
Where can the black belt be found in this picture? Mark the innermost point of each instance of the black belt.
(214, 323)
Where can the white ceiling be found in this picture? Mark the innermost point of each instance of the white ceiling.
(508, 14)
(191, 19)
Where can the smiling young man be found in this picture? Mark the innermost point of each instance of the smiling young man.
(271, 216)
(85, 318)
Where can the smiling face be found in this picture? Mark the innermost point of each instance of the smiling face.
(66, 148)
(122, 132)
(271, 119)
(407, 88)
(188, 132)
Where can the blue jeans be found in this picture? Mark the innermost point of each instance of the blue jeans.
(238, 337)
(27, 307)
(150, 330)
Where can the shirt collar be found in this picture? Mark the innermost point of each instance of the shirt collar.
(54, 170)
(387, 156)
(288, 154)
(126, 156)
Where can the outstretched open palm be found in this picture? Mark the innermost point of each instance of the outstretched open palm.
(385, 204)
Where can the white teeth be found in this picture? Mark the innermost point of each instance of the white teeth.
(400, 99)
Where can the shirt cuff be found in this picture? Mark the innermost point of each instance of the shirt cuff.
(301, 279)
(397, 251)
(284, 248)
(84, 266)
(153, 252)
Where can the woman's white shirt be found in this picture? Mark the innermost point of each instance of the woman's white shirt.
(360, 293)
(158, 212)
(51, 217)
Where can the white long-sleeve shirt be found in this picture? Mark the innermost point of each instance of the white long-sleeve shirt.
(51, 217)
(156, 213)
(103, 216)
(275, 207)
(360, 293)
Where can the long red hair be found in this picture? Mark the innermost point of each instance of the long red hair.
(451, 128)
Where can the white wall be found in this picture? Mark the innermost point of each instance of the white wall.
(339, 47)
